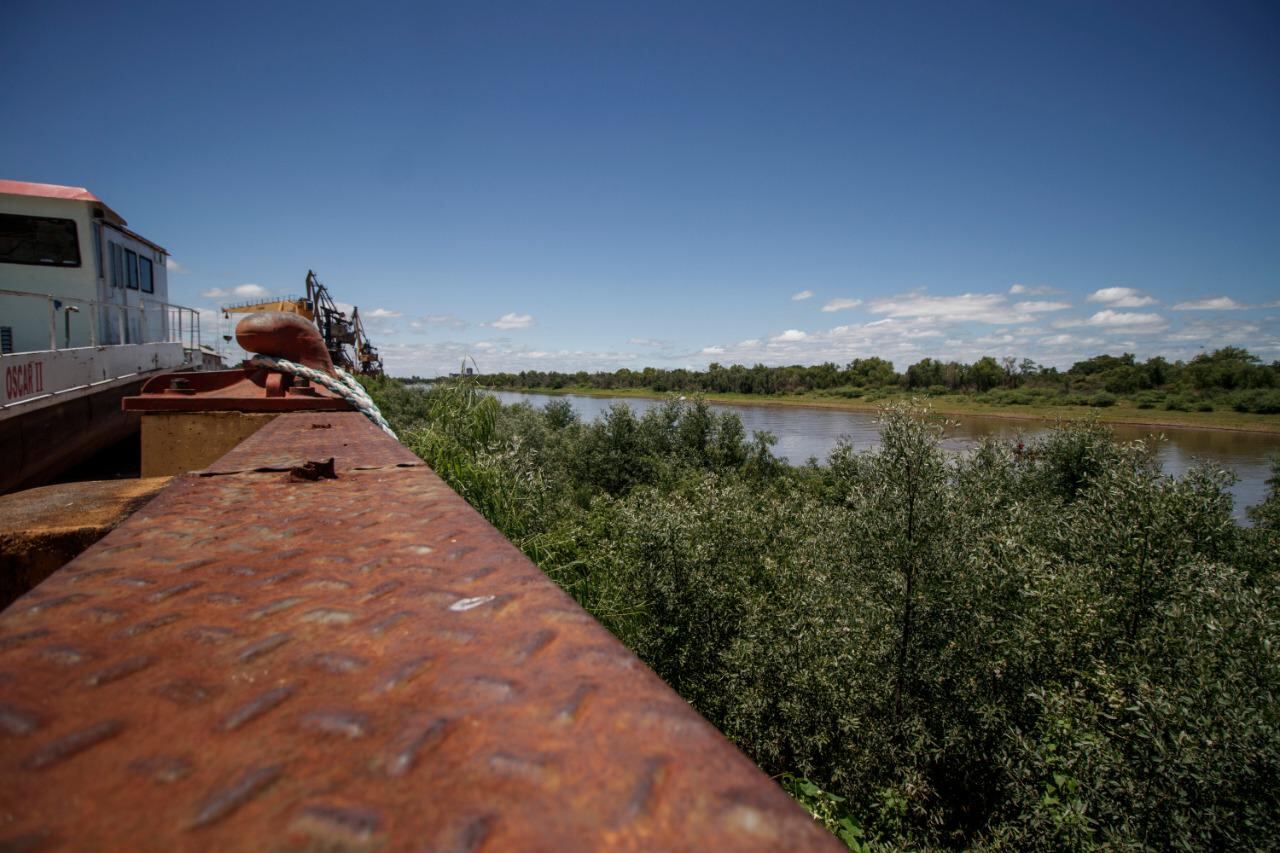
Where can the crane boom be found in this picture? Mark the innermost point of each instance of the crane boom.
(349, 347)
(289, 306)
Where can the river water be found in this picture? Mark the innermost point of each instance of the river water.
(803, 433)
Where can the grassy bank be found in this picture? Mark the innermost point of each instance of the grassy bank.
(1122, 412)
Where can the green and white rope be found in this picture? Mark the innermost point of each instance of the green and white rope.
(344, 385)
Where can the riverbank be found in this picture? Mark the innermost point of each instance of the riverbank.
(1123, 412)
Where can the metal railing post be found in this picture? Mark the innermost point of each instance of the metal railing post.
(99, 313)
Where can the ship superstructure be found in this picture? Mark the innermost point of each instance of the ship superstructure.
(85, 318)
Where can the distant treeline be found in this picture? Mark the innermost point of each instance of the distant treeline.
(1230, 376)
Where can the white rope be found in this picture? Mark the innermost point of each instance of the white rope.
(344, 385)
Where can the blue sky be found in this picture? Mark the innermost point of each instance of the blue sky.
(595, 185)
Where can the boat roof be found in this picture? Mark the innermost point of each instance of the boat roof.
(135, 235)
(117, 221)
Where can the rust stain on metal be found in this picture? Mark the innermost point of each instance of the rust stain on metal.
(314, 470)
(243, 389)
(347, 665)
(344, 435)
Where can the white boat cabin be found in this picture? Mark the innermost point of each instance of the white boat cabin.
(73, 275)
(84, 301)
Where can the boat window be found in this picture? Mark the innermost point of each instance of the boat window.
(38, 240)
(117, 265)
(146, 272)
(96, 228)
(131, 268)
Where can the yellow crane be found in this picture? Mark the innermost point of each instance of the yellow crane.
(291, 306)
(338, 331)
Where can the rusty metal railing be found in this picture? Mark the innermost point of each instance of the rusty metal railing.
(258, 660)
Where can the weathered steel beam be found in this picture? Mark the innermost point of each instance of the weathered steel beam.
(43, 529)
(255, 660)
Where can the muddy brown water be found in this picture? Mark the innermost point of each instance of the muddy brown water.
(803, 433)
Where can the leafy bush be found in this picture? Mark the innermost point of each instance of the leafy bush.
(1148, 399)
(1263, 402)
(1039, 644)
(1102, 399)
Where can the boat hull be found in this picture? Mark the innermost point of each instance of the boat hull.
(39, 445)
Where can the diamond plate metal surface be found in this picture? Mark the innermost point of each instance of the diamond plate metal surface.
(357, 663)
(342, 435)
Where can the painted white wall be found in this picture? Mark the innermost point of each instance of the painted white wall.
(150, 325)
(29, 317)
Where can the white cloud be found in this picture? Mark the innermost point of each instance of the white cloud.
(240, 291)
(804, 294)
(991, 308)
(1121, 297)
(441, 358)
(512, 321)
(789, 336)
(382, 314)
(904, 328)
(1031, 290)
(841, 304)
(449, 320)
(173, 266)
(1212, 303)
(1068, 340)
(1219, 331)
(1107, 318)
(1039, 307)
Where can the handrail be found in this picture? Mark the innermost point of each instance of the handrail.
(193, 333)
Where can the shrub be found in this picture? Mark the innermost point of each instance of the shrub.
(559, 414)
(1102, 399)
(1259, 401)
(1045, 644)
